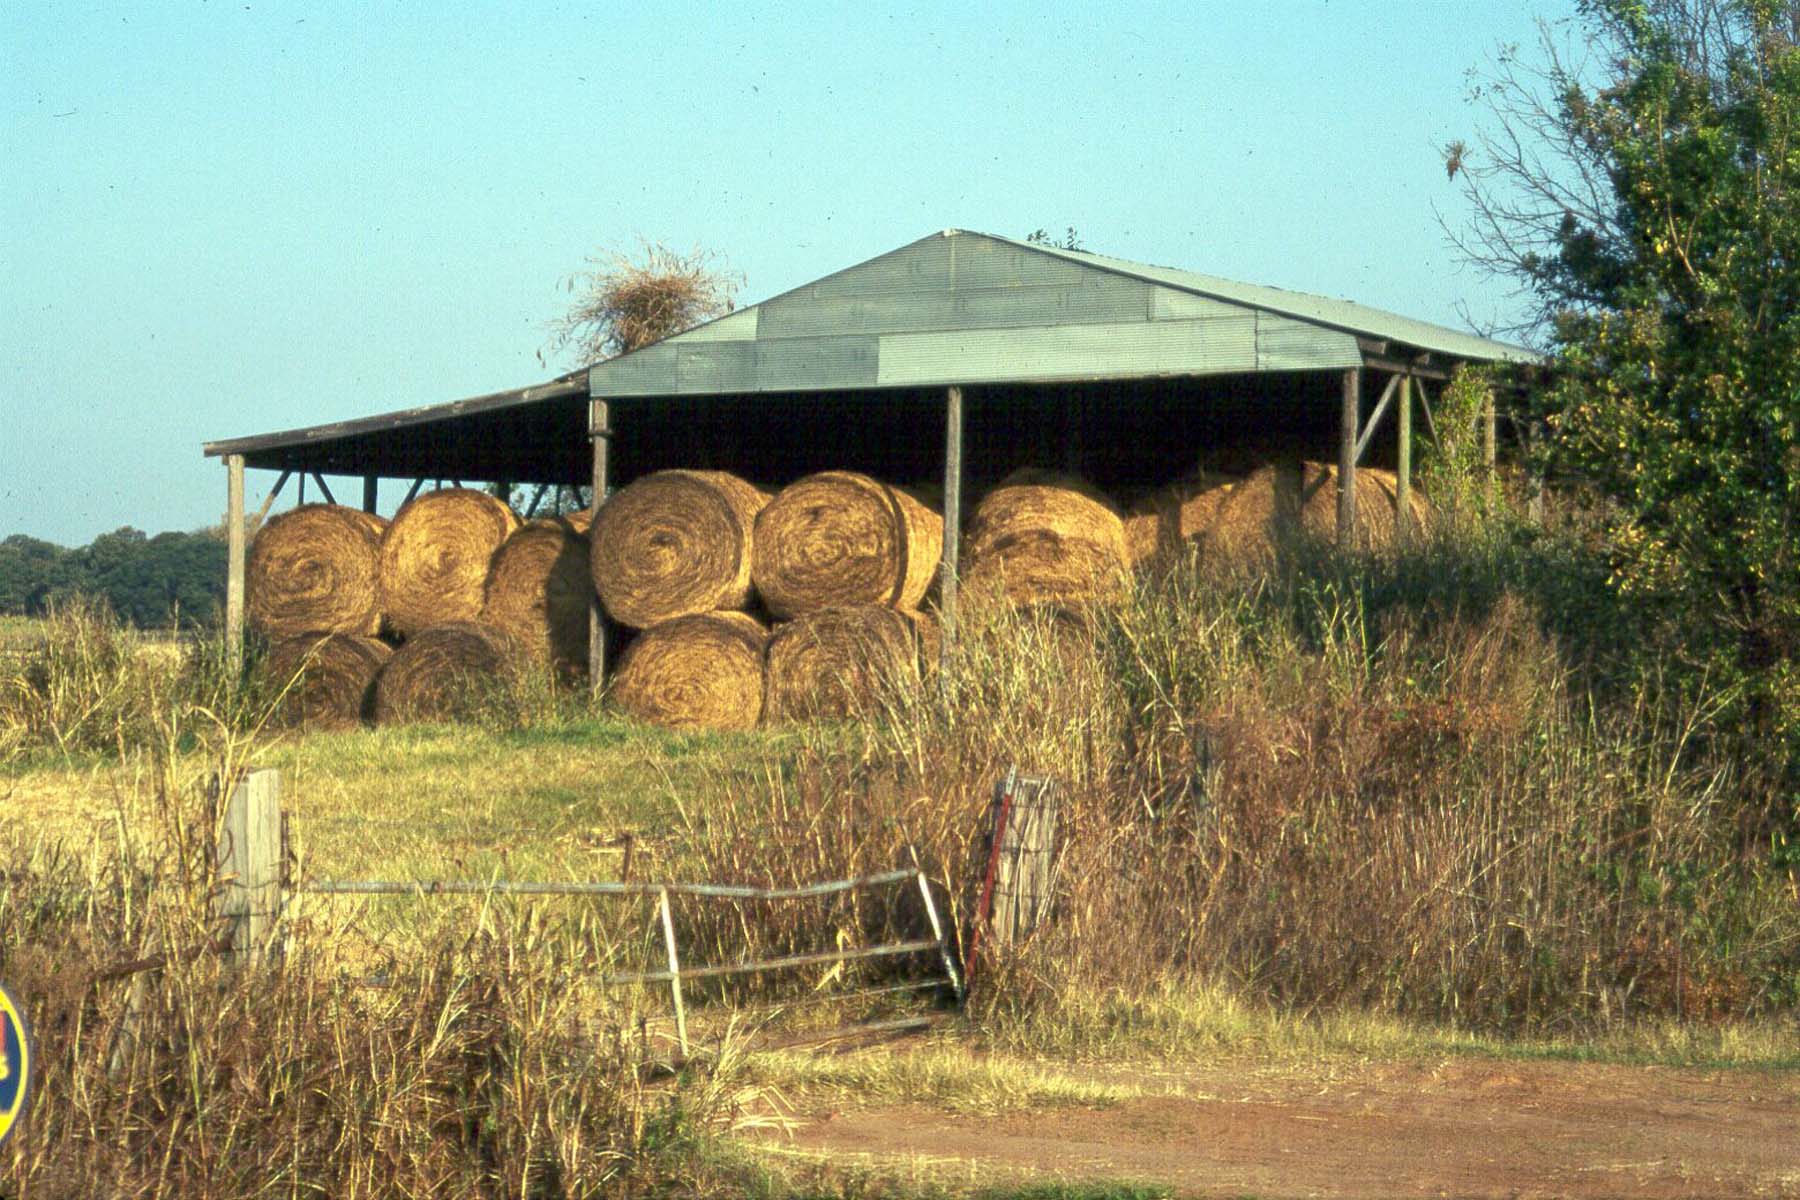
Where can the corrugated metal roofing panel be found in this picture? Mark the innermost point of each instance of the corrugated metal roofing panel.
(923, 265)
(1284, 344)
(646, 372)
(1101, 300)
(679, 368)
(1167, 304)
(1340, 314)
(1120, 351)
(740, 326)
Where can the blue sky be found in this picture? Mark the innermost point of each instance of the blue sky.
(224, 218)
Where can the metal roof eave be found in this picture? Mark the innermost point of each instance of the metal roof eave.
(573, 384)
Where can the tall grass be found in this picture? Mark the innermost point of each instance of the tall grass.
(163, 1071)
(82, 682)
(1388, 786)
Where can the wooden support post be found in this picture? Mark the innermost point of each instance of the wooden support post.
(1403, 469)
(1425, 407)
(1374, 422)
(668, 924)
(234, 559)
(371, 493)
(1490, 450)
(269, 500)
(323, 490)
(599, 433)
(1534, 479)
(249, 863)
(953, 454)
(413, 491)
(1349, 417)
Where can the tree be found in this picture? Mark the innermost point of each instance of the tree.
(1647, 200)
(623, 302)
(147, 581)
(31, 572)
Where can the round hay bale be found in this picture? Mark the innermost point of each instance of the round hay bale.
(537, 590)
(674, 544)
(435, 556)
(1045, 537)
(443, 672)
(835, 662)
(316, 569)
(702, 671)
(324, 680)
(1161, 524)
(928, 632)
(839, 538)
(1278, 505)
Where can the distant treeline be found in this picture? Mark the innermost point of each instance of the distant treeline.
(169, 579)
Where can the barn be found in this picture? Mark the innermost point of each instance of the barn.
(951, 360)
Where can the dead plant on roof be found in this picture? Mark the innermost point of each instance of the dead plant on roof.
(623, 302)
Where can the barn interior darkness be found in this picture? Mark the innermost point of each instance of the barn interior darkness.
(1126, 436)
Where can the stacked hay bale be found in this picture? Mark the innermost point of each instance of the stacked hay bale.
(537, 590)
(1163, 524)
(834, 662)
(669, 554)
(325, 681)
(1044, 537)
(700, 671)
(315, 570)
(847, 560)
(674, 544)
(444, 672)
(435, 555)
(1278, 505)
(840, 538)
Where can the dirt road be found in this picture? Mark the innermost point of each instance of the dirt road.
(1465, 1128)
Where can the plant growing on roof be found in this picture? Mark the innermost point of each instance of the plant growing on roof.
(623, 302)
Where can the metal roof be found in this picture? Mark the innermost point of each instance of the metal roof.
(1321, 310)
(960, 307)
(520, 434)
(956, 307)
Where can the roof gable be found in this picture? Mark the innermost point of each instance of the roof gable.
(966, 308)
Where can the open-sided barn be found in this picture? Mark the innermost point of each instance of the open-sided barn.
(953, 360)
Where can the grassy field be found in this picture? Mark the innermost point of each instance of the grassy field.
(1313, 823)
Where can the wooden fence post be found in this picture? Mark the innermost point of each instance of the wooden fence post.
(1018, 883)
(249, 864)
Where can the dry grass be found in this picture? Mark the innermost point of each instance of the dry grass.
(478, 1070)
(623, 302)
(1326, 816)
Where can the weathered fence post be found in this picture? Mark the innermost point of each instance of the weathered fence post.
(1017, 884)
(249, 864)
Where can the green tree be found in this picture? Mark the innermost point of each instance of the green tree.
(31, 572)
(1646, 195)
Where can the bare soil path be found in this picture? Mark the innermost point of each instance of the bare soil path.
(1464, 1128)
